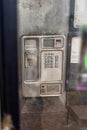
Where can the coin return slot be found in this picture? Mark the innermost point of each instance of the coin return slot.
(43, 89)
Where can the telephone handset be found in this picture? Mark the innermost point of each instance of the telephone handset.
(31, 60)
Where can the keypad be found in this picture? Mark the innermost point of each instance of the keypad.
(51, 60)
(48, 60)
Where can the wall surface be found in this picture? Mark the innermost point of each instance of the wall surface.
(43, 16)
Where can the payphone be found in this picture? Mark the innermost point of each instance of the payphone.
(43, 65)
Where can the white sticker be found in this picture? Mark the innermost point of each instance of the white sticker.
(75, 49)
(80, 14)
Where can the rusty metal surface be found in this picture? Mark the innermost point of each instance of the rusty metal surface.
(44, 114)
(44, 105)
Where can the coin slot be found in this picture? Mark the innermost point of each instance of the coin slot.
(58, 43)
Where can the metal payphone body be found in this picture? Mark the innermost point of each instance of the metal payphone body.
(43, 65)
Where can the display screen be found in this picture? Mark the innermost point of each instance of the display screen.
(48, 43)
